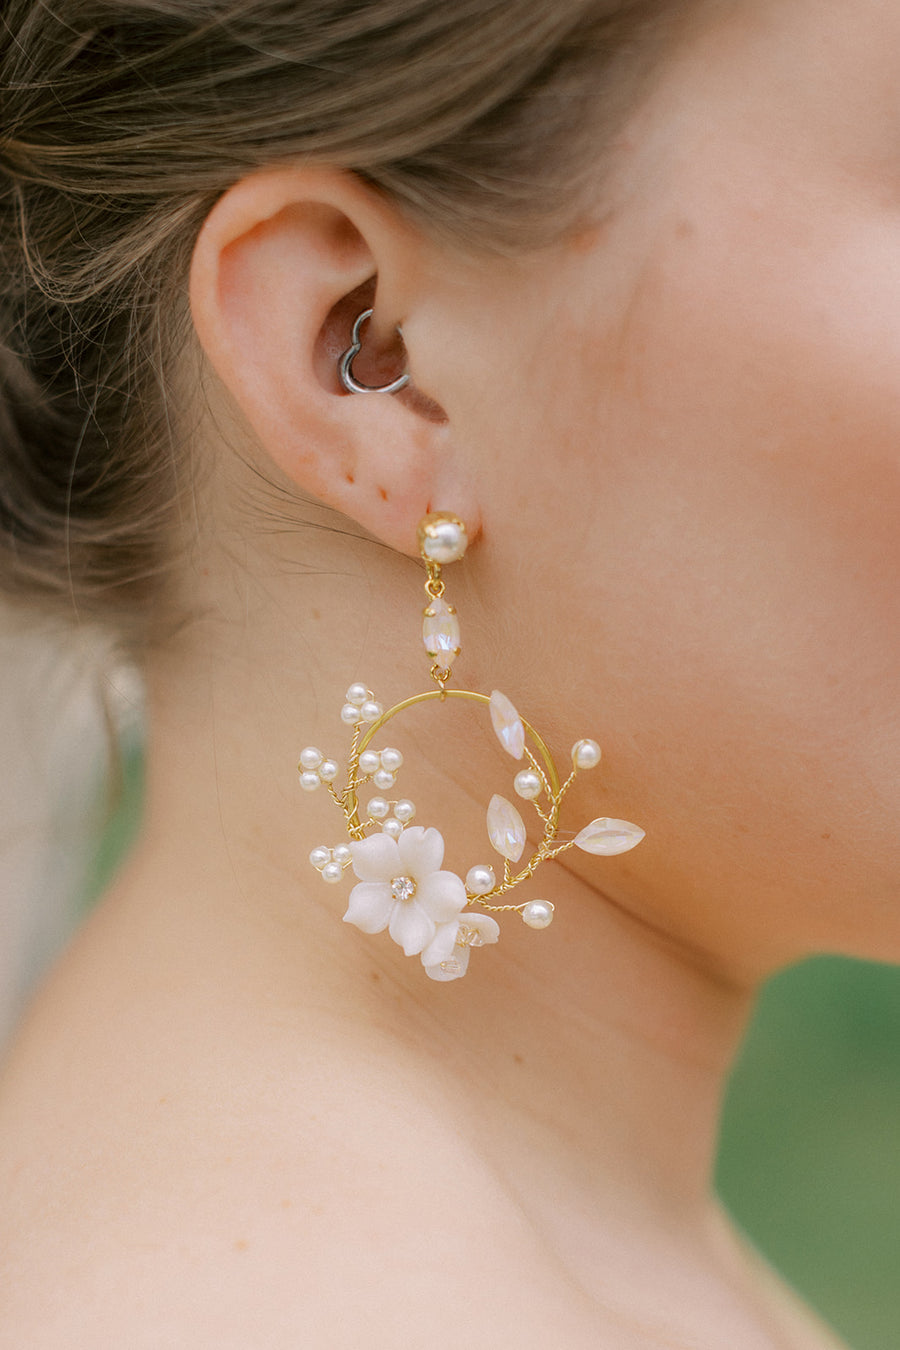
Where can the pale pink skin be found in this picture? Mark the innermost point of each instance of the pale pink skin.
(675, 441)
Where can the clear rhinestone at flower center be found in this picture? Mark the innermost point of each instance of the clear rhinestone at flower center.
(402, 888)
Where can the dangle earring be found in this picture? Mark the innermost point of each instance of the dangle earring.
(401, 885)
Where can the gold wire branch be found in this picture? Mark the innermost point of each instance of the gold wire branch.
(443, 536)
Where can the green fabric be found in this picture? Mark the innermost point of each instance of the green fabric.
(810, 1155)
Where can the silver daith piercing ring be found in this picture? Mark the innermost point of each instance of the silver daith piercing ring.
(345, 365)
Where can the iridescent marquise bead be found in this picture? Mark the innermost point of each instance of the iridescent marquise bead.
(440, 632)
(506, 828)
(442, 538)
(607, 838)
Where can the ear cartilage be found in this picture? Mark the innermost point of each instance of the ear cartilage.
(345, 364)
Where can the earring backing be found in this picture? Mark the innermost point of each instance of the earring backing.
(401, 884)
(345, 365)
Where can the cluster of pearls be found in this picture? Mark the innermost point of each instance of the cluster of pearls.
(382, 766)
(315, 769)
(330, 862)
(361, 706)
(393, 821)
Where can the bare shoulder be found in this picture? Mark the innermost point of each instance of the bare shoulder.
(189, 1159)
(178, 1172)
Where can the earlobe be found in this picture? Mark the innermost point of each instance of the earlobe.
(283, 267)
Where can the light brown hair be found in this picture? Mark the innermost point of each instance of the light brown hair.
(122, 121)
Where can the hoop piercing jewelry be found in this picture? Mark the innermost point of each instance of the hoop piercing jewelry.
(345, 365)
(400, 882)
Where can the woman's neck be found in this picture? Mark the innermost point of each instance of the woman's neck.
(587, 1060)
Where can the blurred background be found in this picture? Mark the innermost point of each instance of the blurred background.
(809, 1163)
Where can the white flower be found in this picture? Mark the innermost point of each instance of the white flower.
(402, 888)
(447, 955)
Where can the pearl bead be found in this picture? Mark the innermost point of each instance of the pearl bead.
(480, 879)
(538, 914)
(382, 779)
(342, 854)
(585, 754)
(328, 771)
(310, 758)
(527, 784)
(392, 827)
(391, 760)
(310, 781)
(332, 872)
(371, 711)
(378, 808)
(404, 810)
(369, 762)
(357, 693)
(320, 856)
(350, 714)
(442, 537)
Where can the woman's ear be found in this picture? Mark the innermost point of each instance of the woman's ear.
(283, 265)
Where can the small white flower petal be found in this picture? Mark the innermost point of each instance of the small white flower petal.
(442, 895)
(410, 927)
(370, 906)
(440, 948)
(376, 858)
(453, 968)
(488, 929)
(421, 850)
